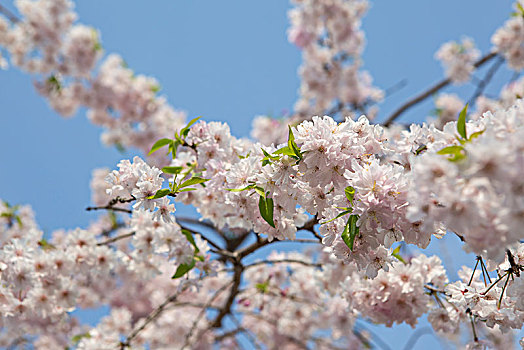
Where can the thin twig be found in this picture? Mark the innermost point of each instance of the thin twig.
(416, 336)
(150, 318)
(208, 240)
(202, 312)
(433, 89)
(10, 16)
(107, 207)
(248, 334)
(117, 238)
(281, 261)
(474, 269)
(226, 309)
(487, 78)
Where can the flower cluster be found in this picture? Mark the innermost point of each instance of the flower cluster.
(509, 39)
(477, 193)
(396, 296)
(458, 59)
(63, 55)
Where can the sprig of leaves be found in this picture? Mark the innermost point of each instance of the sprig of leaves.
(291, 150)
(457, 153)
(173, 144)
(266, 205)
(184, 268)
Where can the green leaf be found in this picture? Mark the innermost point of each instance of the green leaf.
(260, 191)
(265, 206)
(457, 153)
(345, 212)
(190, 239)
(195, 180)
(76, 338)
(187, 189)
(183, 269)
(185, 130)
(159, 144)
(262, 287)
(461, 123)
(241, 189)
(155, 88)
(272, 157)
(172, 169)
(268, 158)
(292, 145)
(520, 8)
(285, 151)
(54, 83)
(350, 193)
(160, 193)
(396, 254)
(44, 244)
(350, 231)
(421, 149)
(476, 134)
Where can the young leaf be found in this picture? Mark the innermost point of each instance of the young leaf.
(345, 234)
(260, 191)
(461, 123)
(265, 206)
(187, 189)
(353, 230)
(160, 193)
(285, 151)
(172, 169)
(159, 144)
(185, 130)
(476, 134)
(262, 287)
(241, 189)
(350, 231)
(350, 194)
(421, 149)
(190, 239)
(292, 145)
(272, 157)
(76, 338)
(396, 254)
(345, 212)
(195, 180)
(183, 269)
(457, 153)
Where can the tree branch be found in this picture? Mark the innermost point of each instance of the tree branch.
(117, 238)
(150, 318)
(226, 309)
(202, 312)
(283, 261)
(10, 16)
(435, 88)
(487, 78)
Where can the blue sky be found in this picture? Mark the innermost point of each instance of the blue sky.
(227, 61)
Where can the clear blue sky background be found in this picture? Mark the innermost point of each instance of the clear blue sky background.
(227, 61)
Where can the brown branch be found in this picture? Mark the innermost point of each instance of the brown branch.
(208, 240)
(226, 309)
(194, 221)
(435, 88)
(202, 312)
(108, 207)
(487, 78)
(10, 16)
(117, 238)
(283, 261)
(150, 318)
